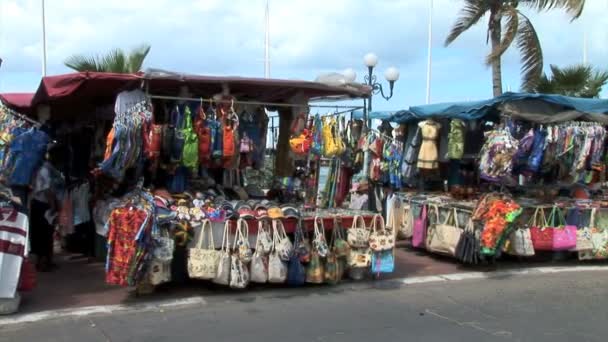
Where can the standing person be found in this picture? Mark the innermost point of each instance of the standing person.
(44, 208)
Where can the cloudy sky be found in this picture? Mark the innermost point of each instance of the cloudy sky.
(308, 37)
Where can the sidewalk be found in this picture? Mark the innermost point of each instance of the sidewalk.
(78, 283)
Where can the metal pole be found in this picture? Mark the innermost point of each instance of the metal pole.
(267, 43)
(43, 41)
(429, 54)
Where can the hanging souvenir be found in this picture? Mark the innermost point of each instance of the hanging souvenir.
(190, 150)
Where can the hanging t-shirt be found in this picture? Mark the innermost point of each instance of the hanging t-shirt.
(13, 249)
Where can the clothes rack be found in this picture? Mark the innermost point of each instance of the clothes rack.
(266, 104)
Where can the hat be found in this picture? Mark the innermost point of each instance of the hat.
(290, 212)
(245, 212)
(229, 211)
(275, 213)
(261, 211)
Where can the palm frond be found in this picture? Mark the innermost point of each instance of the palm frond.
(472, 12)
(576, 80)
(545, 86)
(573, 7)
(115, 61)
(531, 53)
(137, 57)
(82, 63)
(508, 37)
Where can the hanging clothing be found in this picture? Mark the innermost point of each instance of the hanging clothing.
(26, 154)
(408, 169)
(428, 155)
(14, 247)
(456, 139)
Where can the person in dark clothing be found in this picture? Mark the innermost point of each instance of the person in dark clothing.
(44, 209)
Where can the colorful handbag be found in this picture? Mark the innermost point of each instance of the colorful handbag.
(242, 243)
(333, 270)
(319, 243)
(300, 142)
(204, 136)
(339, 245)
(584, 239)
(552, 235)
(383, 262)
(315, 272)
(317, 136)
(381, 238)
(419, 230)
(358, 234)
(225, 262)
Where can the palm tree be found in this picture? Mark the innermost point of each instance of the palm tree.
(117, 61)
(517, 26)
(578, 80)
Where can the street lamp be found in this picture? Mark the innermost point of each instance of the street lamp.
(391, 74)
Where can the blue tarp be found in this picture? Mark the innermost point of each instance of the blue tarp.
(476, 109)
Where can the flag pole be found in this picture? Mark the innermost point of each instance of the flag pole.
(43, 41)
(429, 54)
(267, 43)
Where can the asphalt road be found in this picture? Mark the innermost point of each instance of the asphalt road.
(550, 307)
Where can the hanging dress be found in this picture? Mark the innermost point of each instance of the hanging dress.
(428, 156)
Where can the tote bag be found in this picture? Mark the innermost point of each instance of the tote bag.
(282, 244)
(239, 273)
(203, 261)
(381, 238)
(277, 269)
(383, 262)
(419, 229)
(520, 243)
(319, 243)
(224, 264)
(358, 234)
(259, 263)
(243, 249)
(445, 236)
(553, 235)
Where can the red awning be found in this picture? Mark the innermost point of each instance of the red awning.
(81, 93)
(20, 102)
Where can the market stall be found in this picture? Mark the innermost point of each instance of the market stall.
(155, 179)
(520, 174)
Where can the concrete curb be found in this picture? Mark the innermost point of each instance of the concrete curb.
(200, 301)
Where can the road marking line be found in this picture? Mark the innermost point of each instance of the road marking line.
(198, 300)
(101, 309)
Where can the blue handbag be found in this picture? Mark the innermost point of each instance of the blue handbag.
(383, 262)
(296, 272)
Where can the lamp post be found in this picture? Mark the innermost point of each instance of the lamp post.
(391, 75)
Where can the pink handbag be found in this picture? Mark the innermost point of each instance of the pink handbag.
(554, 235)
(419, 230)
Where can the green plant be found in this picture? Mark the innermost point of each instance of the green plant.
(117, 61)
(516, 27)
